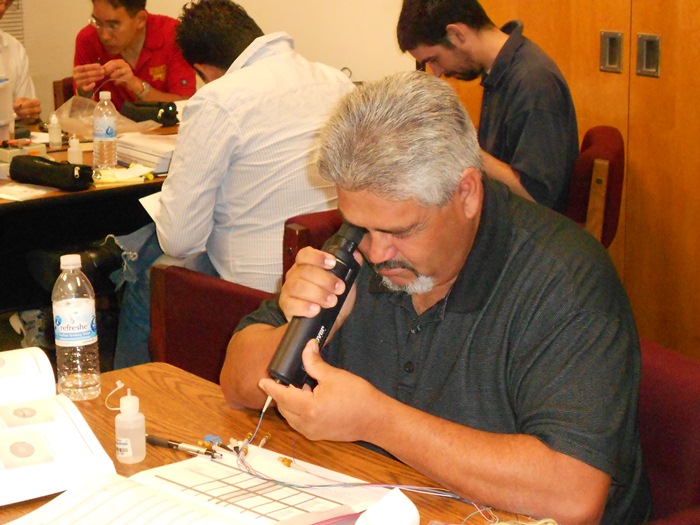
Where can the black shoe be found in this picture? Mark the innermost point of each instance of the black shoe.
(99, 260)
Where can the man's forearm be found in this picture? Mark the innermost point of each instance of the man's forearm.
(517, 473)
(155, 95)
(247, 358)
(499, 170)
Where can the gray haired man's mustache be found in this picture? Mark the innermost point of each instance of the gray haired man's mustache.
(393, 265)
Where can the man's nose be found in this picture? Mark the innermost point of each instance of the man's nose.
(379, 247)
(104, 34)
(435, 69)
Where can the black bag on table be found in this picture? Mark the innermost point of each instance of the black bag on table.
(164, 113)
(31, 169)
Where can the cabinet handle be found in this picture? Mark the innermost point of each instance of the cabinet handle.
(648, 55)
(611, 52)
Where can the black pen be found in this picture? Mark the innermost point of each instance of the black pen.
(192, 449)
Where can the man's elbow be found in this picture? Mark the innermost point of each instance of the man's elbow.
(235, 379)
(581, 507)
(230, 395)
(228, 383)
(173, 247)
(580, 513)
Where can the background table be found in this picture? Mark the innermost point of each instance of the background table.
(184, 407)
(57, 220)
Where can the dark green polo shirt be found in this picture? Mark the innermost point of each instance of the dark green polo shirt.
(535, 337)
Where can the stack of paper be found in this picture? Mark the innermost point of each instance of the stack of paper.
(132, 174)
(153, 151)
(219, 492)
(46, 446)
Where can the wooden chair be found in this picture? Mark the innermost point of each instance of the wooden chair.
(62, 91)
(669, 426)
(193, 315)
(311, 229)
(595, 191)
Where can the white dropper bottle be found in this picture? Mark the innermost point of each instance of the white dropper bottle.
(75, 154)
(130, 430)
(55, 136)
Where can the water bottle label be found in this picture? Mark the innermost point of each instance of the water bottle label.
(105, 128)
(74, 322)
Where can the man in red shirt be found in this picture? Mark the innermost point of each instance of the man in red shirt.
(131, 53)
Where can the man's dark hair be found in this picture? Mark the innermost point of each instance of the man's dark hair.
(132, 6)
(214, 32)
(424, 22)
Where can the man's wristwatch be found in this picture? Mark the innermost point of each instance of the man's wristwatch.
(146, 89)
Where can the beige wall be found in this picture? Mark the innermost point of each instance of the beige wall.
(49, 31)
(359, 35)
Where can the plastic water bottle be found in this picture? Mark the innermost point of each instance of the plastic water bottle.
(75, 327)
(104, 133)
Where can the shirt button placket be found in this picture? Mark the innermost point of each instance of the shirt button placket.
(414, 349)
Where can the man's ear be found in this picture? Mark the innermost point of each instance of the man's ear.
(456, 34)
(471, 192)
(141, 18)
(207, 72)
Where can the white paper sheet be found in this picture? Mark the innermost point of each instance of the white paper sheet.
(151, 203)
(201, 491)
(17, 191)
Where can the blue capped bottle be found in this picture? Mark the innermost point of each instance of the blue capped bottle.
(104, 133)
(75, 327)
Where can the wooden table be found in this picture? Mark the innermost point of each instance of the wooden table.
(61, 219)
(185, 407)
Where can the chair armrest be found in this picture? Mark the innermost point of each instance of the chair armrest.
(310, 229)
(689, 516)
(295, 238)
(596, 201)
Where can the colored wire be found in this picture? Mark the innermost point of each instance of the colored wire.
(241, 453)
(244, 465)
(485, 512)
(119, 386)
(96, 89)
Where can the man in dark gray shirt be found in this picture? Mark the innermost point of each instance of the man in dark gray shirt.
(487, 342)
(527, 127)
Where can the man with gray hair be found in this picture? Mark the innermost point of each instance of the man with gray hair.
(487, 342)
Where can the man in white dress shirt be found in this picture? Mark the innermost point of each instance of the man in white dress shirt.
(242, 164)
(14, 65)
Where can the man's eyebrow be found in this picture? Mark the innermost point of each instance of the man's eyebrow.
(399, 231)
(396, 231)
(106, 20)
(345, 220)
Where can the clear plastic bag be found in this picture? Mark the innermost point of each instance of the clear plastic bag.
(75, 117)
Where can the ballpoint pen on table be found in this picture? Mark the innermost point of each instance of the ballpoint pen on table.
(192, 449)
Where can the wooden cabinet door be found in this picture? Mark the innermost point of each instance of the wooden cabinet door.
(662, 249)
